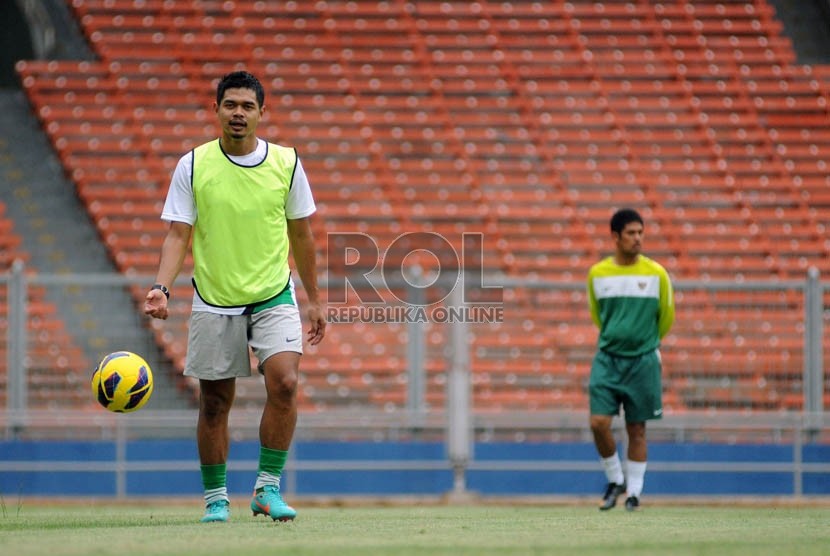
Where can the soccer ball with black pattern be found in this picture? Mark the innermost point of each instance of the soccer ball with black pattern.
(122, 382)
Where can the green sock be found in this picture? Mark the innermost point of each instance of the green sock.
(214, 476)
(271, 463)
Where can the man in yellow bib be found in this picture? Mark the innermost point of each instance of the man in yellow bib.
(631, 301)
(244, 202)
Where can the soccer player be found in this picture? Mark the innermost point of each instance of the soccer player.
(631, 301)
(244, 202)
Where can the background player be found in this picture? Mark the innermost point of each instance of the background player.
(631, 301)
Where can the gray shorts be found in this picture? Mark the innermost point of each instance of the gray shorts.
(217, 345)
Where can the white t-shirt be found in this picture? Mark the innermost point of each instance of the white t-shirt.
(179, 205)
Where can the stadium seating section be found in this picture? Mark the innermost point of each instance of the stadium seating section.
(528, 122)
(58, 369)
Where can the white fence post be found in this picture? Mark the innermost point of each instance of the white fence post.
(813, 374)
(459, 407)
(416, 355)
(16, 335)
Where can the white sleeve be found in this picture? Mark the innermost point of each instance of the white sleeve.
(300, 202)
(179, 206)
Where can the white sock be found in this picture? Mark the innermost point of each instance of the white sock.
(636, 474)
(215, 494)
(613, 469)
(264, 478)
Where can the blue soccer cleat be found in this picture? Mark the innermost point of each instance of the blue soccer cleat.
(269, 502)
(219, 511)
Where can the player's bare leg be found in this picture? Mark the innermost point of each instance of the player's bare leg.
(215, 401)
(603, 437)
(279, 417)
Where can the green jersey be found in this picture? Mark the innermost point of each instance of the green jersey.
(633, 305)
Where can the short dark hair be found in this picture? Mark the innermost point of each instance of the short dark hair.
(623, 217)
(240, 80)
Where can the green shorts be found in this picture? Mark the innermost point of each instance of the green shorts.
(633, 382)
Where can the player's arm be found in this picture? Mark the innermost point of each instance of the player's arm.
(593, 305)
(173, 251)
(666, 319)
(305, 257)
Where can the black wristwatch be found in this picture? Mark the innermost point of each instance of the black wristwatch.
(163, 289)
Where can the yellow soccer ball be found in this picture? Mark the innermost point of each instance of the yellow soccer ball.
(122, 382)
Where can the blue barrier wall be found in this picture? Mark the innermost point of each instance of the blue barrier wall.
(171, 468)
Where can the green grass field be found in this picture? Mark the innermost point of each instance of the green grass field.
(84, 530)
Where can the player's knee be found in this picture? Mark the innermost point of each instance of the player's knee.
(600, 423)
(281, 378)
(213, 407)
(636, 430)
(282, 388)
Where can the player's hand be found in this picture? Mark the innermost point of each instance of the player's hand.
(155, 304)
(317, 321)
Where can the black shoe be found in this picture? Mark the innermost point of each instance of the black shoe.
(632, 503)
(609, 499)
